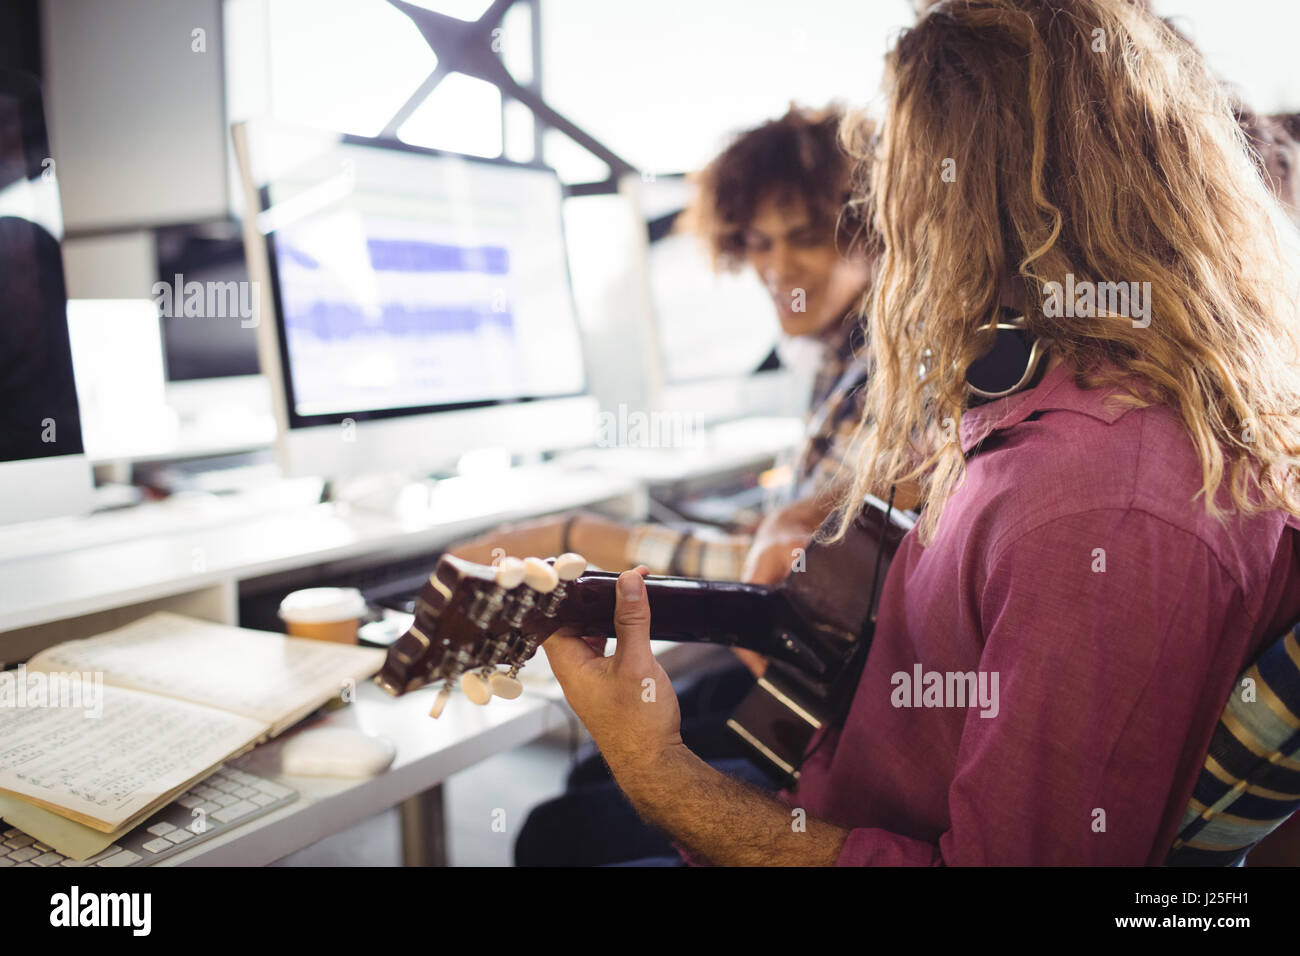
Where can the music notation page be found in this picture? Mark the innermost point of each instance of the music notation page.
(102, 769)
(269, 677)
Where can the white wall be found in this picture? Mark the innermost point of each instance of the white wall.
(1250, 43)
(666, 83)
(135, 115)
(118, 266)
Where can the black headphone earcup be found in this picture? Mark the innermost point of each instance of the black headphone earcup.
(1003, 365)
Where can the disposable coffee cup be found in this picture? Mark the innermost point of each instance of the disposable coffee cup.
(324, 614)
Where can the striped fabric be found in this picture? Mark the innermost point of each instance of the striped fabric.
(837, 405)
(709, 554)
(1250, 782)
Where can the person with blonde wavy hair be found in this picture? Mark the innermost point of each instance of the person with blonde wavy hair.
(1058, 187)
(1104, 547)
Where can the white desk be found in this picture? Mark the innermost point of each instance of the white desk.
(82, 591)
(428, 752)
(68, 592)
(731, 446)
(96, 573)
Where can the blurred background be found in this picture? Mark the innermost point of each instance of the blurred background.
(347, 281)
(140, 96)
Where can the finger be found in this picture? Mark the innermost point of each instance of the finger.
(597, 644)
(566, 652)
(756, 663)
(632, 622)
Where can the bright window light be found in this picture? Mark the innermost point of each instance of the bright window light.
(467, 10)
(462, 114)
(346, 65)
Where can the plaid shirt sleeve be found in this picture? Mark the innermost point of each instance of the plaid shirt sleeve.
(839, 452)
(839, 400)
(709, 554)
(829, 448)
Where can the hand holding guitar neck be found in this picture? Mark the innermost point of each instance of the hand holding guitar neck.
(476, 625)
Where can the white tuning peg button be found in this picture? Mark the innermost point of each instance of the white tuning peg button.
(510, 572)
(475, 688)
(439, 703)
(569, 566)
(505, 686)
(540, 576)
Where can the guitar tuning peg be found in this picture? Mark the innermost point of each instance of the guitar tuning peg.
(569, 566)
(475, 687)
(505, 686)
(540, 576)
(510, 572)
(440, 702)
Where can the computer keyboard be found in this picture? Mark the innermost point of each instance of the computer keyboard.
(221, 802)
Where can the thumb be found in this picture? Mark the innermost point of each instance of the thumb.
(632, 622)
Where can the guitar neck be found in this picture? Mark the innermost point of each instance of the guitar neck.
(687, 610)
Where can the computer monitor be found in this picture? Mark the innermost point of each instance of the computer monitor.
(207, 347)
(718, 337)
(417, 303)
(43, 468)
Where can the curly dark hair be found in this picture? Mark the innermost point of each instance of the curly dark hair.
(1272, 138)
(797, 160)
(1290, 123)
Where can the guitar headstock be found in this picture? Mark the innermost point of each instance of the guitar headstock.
(477, 625)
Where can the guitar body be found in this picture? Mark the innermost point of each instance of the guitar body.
(815, 629)
(778, 719)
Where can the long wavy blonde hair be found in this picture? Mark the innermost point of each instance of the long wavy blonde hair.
(1084, 137)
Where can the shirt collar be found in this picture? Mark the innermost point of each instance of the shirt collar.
(1056, 391)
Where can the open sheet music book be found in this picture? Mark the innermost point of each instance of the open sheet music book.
(107, 730)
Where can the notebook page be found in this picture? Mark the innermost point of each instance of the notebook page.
(76, 840)
(266, 676)
(101, 771)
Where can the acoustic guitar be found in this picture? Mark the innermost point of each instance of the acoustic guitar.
(476, 626)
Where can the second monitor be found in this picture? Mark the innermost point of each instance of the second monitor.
(419, 302)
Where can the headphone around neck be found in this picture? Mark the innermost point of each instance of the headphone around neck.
(1012, 361)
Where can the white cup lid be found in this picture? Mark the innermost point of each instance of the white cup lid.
(321, 605)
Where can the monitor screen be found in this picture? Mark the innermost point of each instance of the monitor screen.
(207, 253)
(38, 396)
(409, 280)
(711, 325)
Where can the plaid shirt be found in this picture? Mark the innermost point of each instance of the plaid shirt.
(836, 407)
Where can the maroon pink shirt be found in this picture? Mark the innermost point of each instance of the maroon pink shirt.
(1074, 564)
